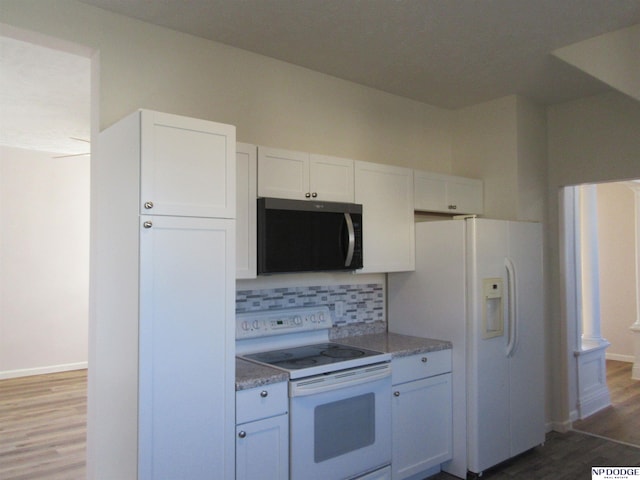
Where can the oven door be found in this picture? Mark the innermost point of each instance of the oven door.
(341, 423)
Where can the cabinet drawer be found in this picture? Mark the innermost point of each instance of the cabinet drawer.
(414, 367)
(261, 402)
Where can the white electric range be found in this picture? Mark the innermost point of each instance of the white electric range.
(339, 396)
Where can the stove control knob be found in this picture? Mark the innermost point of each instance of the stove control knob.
(255, 324)
(245, 325)
(313, 318)
(297, 320)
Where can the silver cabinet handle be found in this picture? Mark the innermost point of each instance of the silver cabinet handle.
(264, 394)
(307, 195)
(148, 205)
(242, 434)
(314, 194)
(147, 224)
(424, 359)
(452, 207)
(396, 394)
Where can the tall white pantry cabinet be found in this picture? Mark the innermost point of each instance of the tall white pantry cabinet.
(161, 347)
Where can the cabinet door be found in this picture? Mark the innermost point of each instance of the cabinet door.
(386, 195)
(436, 192)
(464, 195)
(422, 425)
(331, 178)
(186, 349)
(282, 173)
(187, 166)
(246, 241)
(430, 192)
(262, 449)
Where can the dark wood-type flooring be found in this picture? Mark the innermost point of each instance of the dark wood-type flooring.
(621, 420)
(43, 425)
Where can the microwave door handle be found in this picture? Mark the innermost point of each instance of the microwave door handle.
(352, 239)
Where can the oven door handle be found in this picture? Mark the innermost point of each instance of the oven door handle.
(328, 383)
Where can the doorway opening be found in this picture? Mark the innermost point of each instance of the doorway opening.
(601, 253)
(45, 203)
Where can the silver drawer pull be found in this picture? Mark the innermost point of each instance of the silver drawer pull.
(424, 359)
(242, 434)
(396, 394)
(147, 224)
(148, 205)
(264, 394)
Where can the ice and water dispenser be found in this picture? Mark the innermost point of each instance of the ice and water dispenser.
(492, 308)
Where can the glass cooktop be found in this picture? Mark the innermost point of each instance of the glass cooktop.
(326, 355)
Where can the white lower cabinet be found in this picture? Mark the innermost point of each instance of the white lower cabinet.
(422, 414)
(262, 433)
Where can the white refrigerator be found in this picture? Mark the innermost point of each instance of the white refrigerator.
(478, 283)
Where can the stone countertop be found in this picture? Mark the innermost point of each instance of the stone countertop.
(395, 344)
(251, 375)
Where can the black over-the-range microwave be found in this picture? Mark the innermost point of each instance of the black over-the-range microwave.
(308, 236)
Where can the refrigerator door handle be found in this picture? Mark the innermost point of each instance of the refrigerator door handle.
(512, 320)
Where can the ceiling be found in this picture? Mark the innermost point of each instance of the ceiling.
(448, 53)
(44, 98)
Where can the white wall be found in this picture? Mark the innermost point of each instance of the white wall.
(617, 248)
(504, 142)
(532, 161)
(486, 146)
(44, 259)
(271, 102)
(612, 58)
(591, 140)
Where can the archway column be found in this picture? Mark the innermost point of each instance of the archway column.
(635, 328)
(593, 393)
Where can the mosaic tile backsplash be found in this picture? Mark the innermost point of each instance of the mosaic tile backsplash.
(349, 304)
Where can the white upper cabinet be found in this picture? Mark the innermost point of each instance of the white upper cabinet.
(386, 195)
(282, 173)
(246, 254)
(331, 178)
(187, 166)
(447, 193)
(300, 176)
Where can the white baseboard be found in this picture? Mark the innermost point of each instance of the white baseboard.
(573, 416)
(620, 358)
(26, 372)
(561, 427)
(594, 402)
